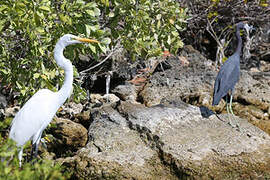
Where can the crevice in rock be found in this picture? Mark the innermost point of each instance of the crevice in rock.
(242, 101)
(153, 141)
(140, 98)
(98, 148)
(168, 160)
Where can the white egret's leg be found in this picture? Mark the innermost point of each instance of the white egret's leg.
(36, 145)
(20, 156)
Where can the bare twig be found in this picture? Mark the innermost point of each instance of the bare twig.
(221, 43)
(93, 67)
(114, 50)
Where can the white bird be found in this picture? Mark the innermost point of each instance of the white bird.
(38, 111)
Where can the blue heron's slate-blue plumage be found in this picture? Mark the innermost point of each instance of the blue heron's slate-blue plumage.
(229, 72)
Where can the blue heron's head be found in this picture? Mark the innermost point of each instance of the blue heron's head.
(244, 25)
(241, 25)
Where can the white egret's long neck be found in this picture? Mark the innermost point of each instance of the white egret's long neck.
(64, 63)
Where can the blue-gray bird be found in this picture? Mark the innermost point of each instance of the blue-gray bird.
(229, 73)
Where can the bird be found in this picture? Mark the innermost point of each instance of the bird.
(37, 113)
(229, 74)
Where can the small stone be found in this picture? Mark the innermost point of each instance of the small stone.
(254, 69)
(11, 112)
(70, 134)
(70, 109)
(83, 116)
(110, 98)
(95, 98)
(126, 92)
(3, 101)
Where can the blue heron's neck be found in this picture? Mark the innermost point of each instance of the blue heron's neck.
(239, 39)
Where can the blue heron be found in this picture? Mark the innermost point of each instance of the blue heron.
(38, 111)
(229, 74)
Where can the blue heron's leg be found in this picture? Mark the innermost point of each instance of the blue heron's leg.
(236, 122)
(227, 105)
(229, 108)
(231, 111)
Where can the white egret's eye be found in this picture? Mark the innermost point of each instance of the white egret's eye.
(72, 38)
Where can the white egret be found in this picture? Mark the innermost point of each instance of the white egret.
(38, 111)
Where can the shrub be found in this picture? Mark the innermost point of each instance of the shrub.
(42, 169)
(146, 28)
(29, 30)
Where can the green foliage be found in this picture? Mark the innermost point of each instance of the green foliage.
(5, 123)
(29, 30)
(9, 166)
(146, 27)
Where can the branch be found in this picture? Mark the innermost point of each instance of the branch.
(109, 55)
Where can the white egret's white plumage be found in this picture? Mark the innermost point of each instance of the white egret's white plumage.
(38, 111)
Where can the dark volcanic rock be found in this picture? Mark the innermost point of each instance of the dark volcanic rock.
(169, 142)
(194, 84)
(167, 138)
(115, 151)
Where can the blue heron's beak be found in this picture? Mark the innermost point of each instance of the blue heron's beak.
(252, 28)
(249, 28)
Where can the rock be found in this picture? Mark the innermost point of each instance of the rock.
(126, 92)
(114, 151)
(194, 85)
(3, 102)
(265, 66)
(83, 118)
(169, 141)
(69, 135)
(11, 111)
(70, 109)
(110, 98)
(98, 100)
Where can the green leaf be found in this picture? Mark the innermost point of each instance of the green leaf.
(40, 30)
(169, 40)
(18, 85)
(106, 41)
(65, 19)
(45, 8)
(175, 34)
(111, 14)
(90, 12)
(103, 48)
(4, 71)
(97, 12)
(3, 7)
(93, 48)
(36, 75)
(23, 92)
(158, 16)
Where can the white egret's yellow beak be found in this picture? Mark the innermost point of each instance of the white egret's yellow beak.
(87, 40)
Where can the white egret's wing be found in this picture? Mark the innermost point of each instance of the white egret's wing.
(37, 112)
